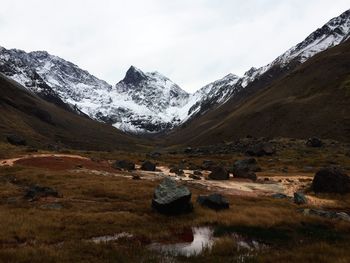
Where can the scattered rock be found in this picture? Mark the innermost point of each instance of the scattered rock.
(197, 172)
(261, 149)
(279, 196)
(213, 201)
(171, 199)
(331, 180)
(154, 155)
(36, 192)
(194, 177)
(177, 171)
(327, 214)
(300, 198)
(219, 173)
(123, 164)
(284, 170)
(192, 166)
(314, 142)
(16, 140)
(188, 150)
(207, 164)
(246, 169)
(148, 166)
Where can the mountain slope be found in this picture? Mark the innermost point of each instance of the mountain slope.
(42, 123)
(336, 31)
(145, 102)
(141, 102)
(312, 100)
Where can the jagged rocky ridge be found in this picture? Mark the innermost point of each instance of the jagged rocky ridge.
(150, 102)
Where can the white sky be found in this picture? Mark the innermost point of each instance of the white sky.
(193, 42)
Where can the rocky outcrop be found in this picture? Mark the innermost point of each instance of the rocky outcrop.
(261, 149)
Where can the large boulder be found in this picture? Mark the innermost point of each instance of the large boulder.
(16, 140)
(213, 201)
(172, 199)
(261, 149)
(246, 169)
(123, 164)
(314, 142)
(148, 166)
(331, 180)
(219, 173)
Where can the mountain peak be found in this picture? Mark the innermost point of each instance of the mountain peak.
(134, 76)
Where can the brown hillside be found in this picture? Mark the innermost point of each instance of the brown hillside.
(312, 100)
(42, 123)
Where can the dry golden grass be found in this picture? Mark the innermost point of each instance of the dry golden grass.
(95, 205)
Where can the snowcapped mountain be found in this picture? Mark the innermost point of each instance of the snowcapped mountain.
(141, 102)
(144, 102)
(336, 31)
(150, 102)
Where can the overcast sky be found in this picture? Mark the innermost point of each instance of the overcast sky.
(193, 42)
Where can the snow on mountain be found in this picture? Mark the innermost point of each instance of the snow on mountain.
(149, 102)
(145, 102)
(141, 102)
(336, 31)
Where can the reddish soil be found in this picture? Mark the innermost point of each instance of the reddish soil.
(65, 163)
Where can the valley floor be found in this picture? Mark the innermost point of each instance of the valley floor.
(101, 214)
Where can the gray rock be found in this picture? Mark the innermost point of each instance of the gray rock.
(172, 199)
(261, 149)
(125, 165)
(300, 198)
(327, 214)
(36, 192)
(331, 180)
(148, 166)
(279, 196)
(314, 142)
(246, 169)
(213, 201)
(219, 173)
(197, 173)
(194, 177)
